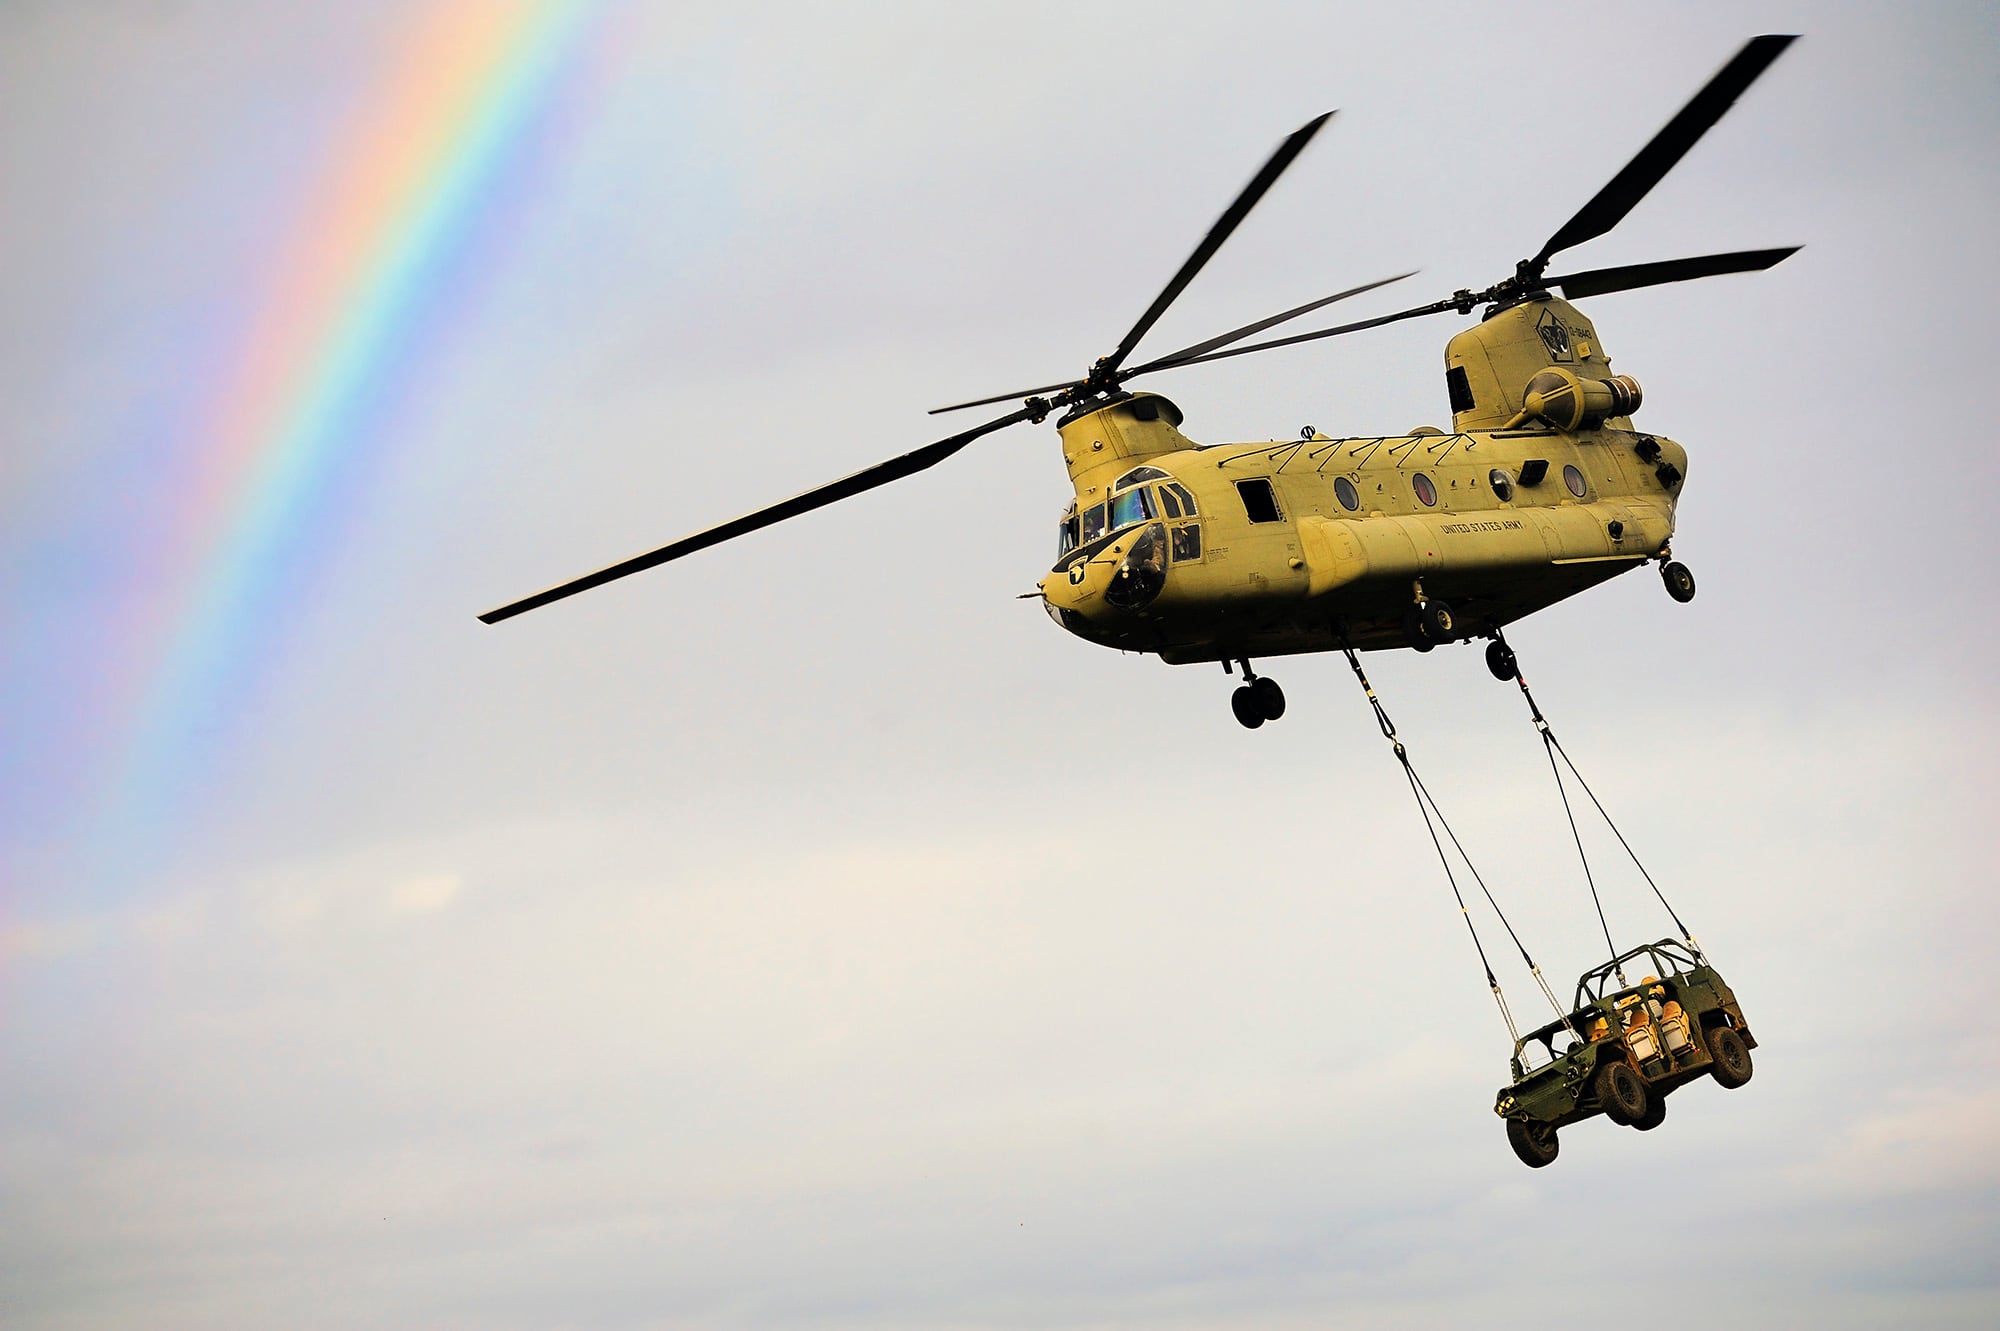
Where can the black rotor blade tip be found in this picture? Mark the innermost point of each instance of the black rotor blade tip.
(1225, 225)
(1623, 192)
(868, 478)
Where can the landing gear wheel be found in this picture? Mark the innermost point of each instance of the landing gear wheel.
(1434, 620)
(1656, 1114)
(1680, 582)
(1269, 697)
(1413, 631)
(1500, 660)
(1248, 710)
(1621, 1095)
(1731, 1067)
(1534, 1143)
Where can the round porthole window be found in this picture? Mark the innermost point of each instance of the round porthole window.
(1427, 494)
(1344, 491)
(1574, 480)
(1502, 483)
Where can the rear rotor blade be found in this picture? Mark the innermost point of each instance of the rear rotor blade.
(1657, 158)
(1293, 145)
(1575, 286)
(1599, 281)
(848, 486)
(1187, 354)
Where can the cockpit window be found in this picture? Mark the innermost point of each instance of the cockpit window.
(1168, 502)
(1187, 500)
(1130, 507)
(1186, 541)
(1138, 476)
(1093, 523)
(1067, 541)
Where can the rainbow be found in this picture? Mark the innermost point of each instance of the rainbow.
(313, 387)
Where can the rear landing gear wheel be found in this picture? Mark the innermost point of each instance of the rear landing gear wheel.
(1435, 621)
(1249, 711)
(1413, 632)
(1680, 582)
(1500, 660)
(1269, 697)
(1534, 1143)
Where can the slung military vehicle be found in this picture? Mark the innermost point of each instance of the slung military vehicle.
(1234, 552)
(1625, 1048)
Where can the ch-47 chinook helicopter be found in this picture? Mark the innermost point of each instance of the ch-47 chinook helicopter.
(1231, 552)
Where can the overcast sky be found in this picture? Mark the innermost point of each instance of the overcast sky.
(810, 934)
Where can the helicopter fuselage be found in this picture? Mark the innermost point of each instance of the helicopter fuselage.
(1234, 551)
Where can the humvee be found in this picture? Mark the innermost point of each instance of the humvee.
(1625, 1048)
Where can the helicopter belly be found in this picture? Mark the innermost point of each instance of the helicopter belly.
(1373, 611)
(1495, 567)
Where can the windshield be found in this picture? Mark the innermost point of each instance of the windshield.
(1093, 523)
(1130, 507)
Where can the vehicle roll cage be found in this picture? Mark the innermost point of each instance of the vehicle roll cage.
(1594, 992)
(1669, 957)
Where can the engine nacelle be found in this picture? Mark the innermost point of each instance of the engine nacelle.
(1542, 346)
(1570, 402)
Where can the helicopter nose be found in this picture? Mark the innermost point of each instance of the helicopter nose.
(1115, 579)
(1142, 574)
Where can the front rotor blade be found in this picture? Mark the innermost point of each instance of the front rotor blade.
(1657, 158)
(1599, 281)
(1005, 397)
(1293, 145)
(1421, 310)
(880, 474)
(1187, 354)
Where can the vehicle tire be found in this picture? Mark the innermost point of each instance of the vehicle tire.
(1731, 1066)
(1500, 660)
(1413, 632)
(1534, 1143)
(1656, 1112)
(1680, 582)
(1436, 621)
(1244, 703)
(1621, 1095)
(1270, 698)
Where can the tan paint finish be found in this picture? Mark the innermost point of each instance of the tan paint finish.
(1275, 587)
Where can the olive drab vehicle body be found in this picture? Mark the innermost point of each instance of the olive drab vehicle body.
(1234, 551)
(1680, 1022)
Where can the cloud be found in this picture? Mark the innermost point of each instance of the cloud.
(1929, 1141)
(425, 895)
